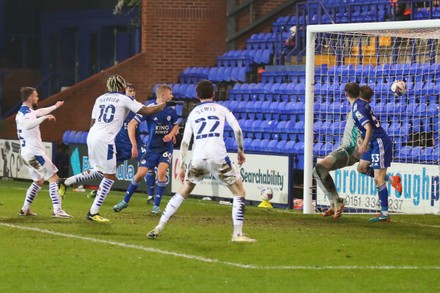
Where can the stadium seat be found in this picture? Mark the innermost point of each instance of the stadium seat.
(262, 147)
(403, 153)
(66, 137)
(298, 150)
(271, 146)
(279, 148)
(72, 136)
(246, 143)
(426, 154)
(253, 147)
(289, 147)
(84, 135)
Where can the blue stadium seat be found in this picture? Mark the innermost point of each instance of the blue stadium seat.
(271, 146)
(83, 138)
(403, 153)
(298, 150)
(72, 136)
(262, 147)
(66, 137)
(229, 143)
(279, 147)
(253, 147)
(265, 108)
(426, 154)
(289, 147)
(317, 148)
(281, 129)
(246, 143)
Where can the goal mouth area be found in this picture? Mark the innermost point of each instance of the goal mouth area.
(376, 54)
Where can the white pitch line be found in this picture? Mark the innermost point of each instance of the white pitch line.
(211, 260)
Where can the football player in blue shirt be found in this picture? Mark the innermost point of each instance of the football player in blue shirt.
(162, 127)
(124, 147)
(376, 148)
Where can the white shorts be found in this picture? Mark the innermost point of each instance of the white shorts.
(40, 166)
(102, 155)
(224, 171)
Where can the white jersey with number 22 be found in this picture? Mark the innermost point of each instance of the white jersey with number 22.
(207, 122)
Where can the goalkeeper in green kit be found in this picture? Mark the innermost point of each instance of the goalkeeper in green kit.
(345, 155)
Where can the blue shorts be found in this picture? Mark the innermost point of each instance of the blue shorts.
(380, 153)
(153, 159)
(123, 152)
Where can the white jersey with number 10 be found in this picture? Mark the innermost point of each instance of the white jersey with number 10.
(109, 112)
(207, 122)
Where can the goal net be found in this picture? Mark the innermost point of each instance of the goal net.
(376, 54)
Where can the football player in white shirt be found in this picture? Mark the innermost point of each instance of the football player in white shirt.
(108, 115)
(206, 122)
(32, 151)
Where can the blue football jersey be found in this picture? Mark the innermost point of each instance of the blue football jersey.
(159, 125)
(363, 114)
(122, 136)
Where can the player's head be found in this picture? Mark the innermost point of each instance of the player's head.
(116, 83)
(365, 93)
(205, 90)
(29, 95)
(164, 93)
(352, 90)
(130, 90)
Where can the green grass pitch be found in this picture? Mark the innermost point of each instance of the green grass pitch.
(294, 252)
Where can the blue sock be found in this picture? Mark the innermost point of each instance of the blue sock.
(387, 177)
(149, 178)
(160, 189)
(130, 190)
(383, 197)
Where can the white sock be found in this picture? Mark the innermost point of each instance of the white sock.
(84, 176)
(54, 196)
(171, 208)
(31, 194)
(238, 206)
(104, 188)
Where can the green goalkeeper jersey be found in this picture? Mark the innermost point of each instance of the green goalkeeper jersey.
(351, 136)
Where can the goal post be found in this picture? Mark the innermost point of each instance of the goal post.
(376, 54)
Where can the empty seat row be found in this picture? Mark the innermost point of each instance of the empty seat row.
(268, 91)
(283, 77)
(416, 154)
(398, 69)
(244, 58)
(225, 74)
(193, 74)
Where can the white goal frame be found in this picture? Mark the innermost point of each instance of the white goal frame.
(312, 30)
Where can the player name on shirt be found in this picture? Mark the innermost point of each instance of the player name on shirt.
(205, 109)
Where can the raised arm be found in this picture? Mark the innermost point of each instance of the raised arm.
(47, 110)
(150, 110)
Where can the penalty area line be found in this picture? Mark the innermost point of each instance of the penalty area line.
(212, 260)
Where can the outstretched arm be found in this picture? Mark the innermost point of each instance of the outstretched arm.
(29, 124)
(47, 110)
